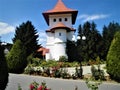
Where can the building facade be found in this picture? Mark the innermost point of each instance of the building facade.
(60, 20)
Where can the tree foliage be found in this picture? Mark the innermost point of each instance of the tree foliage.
(3, 69)
(17, 58)
(27, 34)
(71, 51)
(113, 58)
(108, 34)
(91, 47)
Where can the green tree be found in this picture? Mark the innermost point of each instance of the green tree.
(91, 47)
(71, 51)
(108, 34)
(113, 58)
(3, 69)
(28, 36)
(16, 58)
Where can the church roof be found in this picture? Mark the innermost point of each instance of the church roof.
(60, 8)
(60, 25)
(43, 50)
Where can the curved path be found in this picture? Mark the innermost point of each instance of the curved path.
(53, 83)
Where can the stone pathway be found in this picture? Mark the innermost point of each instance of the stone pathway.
(53, 83)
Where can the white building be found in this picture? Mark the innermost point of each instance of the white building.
(60, 21)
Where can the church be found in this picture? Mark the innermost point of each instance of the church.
(60, 21)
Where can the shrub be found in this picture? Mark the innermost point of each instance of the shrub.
(92, 84)
(29, 70)
(65, 74)
(16, 58)
(62, 59)
(113, 58)
(33, 61)
(79, 72)
(3, 70)
(97, 73)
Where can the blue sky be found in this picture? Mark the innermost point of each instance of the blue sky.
(15, 12)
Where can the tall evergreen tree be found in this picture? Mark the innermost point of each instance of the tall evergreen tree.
(71, 51)
(27, 34)
(3, 69)
(108, 34)
(113, 58)
(89, 48)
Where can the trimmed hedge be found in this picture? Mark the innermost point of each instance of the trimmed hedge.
(113, 58)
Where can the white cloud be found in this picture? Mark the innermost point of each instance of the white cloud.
(6, 28)
(86, 17)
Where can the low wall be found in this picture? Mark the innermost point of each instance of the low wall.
(86, 69)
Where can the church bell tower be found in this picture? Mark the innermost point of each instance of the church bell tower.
(60, 20)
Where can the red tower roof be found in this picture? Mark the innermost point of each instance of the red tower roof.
(60, 8)
(60, 25)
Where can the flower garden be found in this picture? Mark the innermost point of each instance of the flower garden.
(57, 69)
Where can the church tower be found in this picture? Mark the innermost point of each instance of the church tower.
(60, 20)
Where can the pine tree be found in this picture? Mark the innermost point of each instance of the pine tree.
(113, 58)
(91, 47)
(27, 34)
(108, 34)
(3, 69)
(17, 58)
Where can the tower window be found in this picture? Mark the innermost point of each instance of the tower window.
(59, 34)
(65, 19)
(60, 19)
(54, 20)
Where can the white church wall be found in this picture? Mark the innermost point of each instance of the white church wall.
(70, 35)
(59, 50)
(62, 17)
(50, 55)
(60, 35)
(50, 38)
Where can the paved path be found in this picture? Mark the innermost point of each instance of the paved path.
(54, 84)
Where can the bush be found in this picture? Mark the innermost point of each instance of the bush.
(79, 72)
(29, 70)
(62, 59)
(92, 84)
(113, 58)
(3, 70)
(16, 58)
(97, 73)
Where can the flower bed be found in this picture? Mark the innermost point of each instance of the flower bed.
(35, 86)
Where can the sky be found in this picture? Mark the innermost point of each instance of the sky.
(15, 12)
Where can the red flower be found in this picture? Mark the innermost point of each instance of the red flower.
(31, 87)
(46, 89)
(40, 88)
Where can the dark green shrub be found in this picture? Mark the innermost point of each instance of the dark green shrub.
(57, 73)
(97, 73)
(16, 58)
(65, 74)
(29, 70)
(62, 59)
(113, 58)
(92, 84)
(79, 72)
(3, 70)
